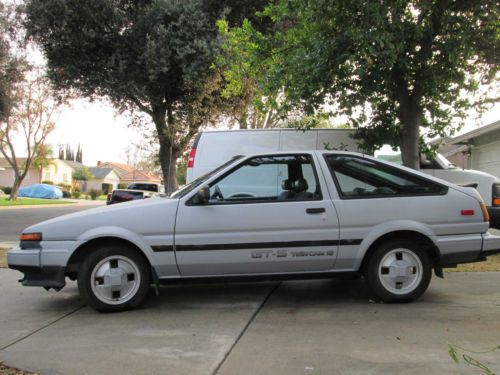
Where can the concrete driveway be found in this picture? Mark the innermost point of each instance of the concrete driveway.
(293, 327)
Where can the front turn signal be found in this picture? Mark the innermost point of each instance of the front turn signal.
(31, 237)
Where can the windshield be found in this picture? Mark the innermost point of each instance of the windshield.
(447, 164)
(200, 180)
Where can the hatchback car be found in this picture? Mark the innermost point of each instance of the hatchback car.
(278, 215)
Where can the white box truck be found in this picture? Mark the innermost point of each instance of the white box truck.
(213, 148)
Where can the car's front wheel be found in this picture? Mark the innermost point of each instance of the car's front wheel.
(398, 271)
(114, 278)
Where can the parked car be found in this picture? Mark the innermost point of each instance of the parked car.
(134, 191)
(212, 148)
(147, 186)
(271, 215)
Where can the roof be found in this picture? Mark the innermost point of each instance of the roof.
(140, 176)
(119, 167)
(73, 164)
(5, 164)
(100, 173)
(477, 132)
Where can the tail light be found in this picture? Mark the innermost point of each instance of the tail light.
(192, 155)
(486, 215)
(496, 195)
(109, 196)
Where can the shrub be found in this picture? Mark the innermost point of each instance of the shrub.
(66, 194)
(76, 193)
(122, 186)
(48, 182)
(6, 189)
(94, 194)
(64, 186)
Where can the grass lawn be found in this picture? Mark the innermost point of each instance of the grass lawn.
(491, 265)
(3, 257)
(5, 202)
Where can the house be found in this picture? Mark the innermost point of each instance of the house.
(129, 175)
(58, 171)
(106, 179)
(478, 149)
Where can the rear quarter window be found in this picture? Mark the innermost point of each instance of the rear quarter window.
(357, 177)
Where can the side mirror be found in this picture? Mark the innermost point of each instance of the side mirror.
(202, 196)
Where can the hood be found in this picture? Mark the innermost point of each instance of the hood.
(141, 216)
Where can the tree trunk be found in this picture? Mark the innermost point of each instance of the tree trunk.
(409, 137)
(15, 188)
(168, 159)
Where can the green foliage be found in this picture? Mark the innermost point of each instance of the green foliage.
(43, 157)
(83, 174)
(66, 194)
(456, 352)
(48, 182)
(64, 186)
(76, 193)
(148, 56)
(181, 171)
(122, 186)
(94, 194)
(390, 66)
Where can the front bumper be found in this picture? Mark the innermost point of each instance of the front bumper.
(494, 217)
(47, 277)
(45, 268)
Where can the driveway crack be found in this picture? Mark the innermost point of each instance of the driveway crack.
(42, 328)
(245, 328)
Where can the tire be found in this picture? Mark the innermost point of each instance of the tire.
(398, 271)
(126, 290)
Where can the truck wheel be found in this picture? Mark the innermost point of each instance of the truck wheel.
(398, 271)
(114, 278)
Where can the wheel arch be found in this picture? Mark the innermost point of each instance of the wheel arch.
(424, 241)
(89, 246)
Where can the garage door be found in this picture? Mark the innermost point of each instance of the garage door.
(487, 158)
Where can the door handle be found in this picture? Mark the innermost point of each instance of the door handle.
(312, 211)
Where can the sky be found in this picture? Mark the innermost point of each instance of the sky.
(104, 135)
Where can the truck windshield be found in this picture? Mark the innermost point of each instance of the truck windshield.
(200, 180)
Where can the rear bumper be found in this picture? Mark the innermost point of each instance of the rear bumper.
(467, 248)
(494, 217)
(491, 245)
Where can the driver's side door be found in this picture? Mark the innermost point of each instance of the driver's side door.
(252, 224)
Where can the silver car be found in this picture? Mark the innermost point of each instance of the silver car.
(279, 215)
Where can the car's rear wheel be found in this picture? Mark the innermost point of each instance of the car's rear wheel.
(398, 271)
(114, 278)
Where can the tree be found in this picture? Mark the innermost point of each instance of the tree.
(392, 66)
(30, 118)
(154, 57)
(83, 174)
(43, 157)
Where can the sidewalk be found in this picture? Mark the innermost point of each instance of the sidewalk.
(79, 202)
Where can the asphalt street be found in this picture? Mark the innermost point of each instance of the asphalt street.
(14, 220)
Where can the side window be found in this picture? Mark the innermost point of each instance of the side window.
(268, 178)
(361, 178)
